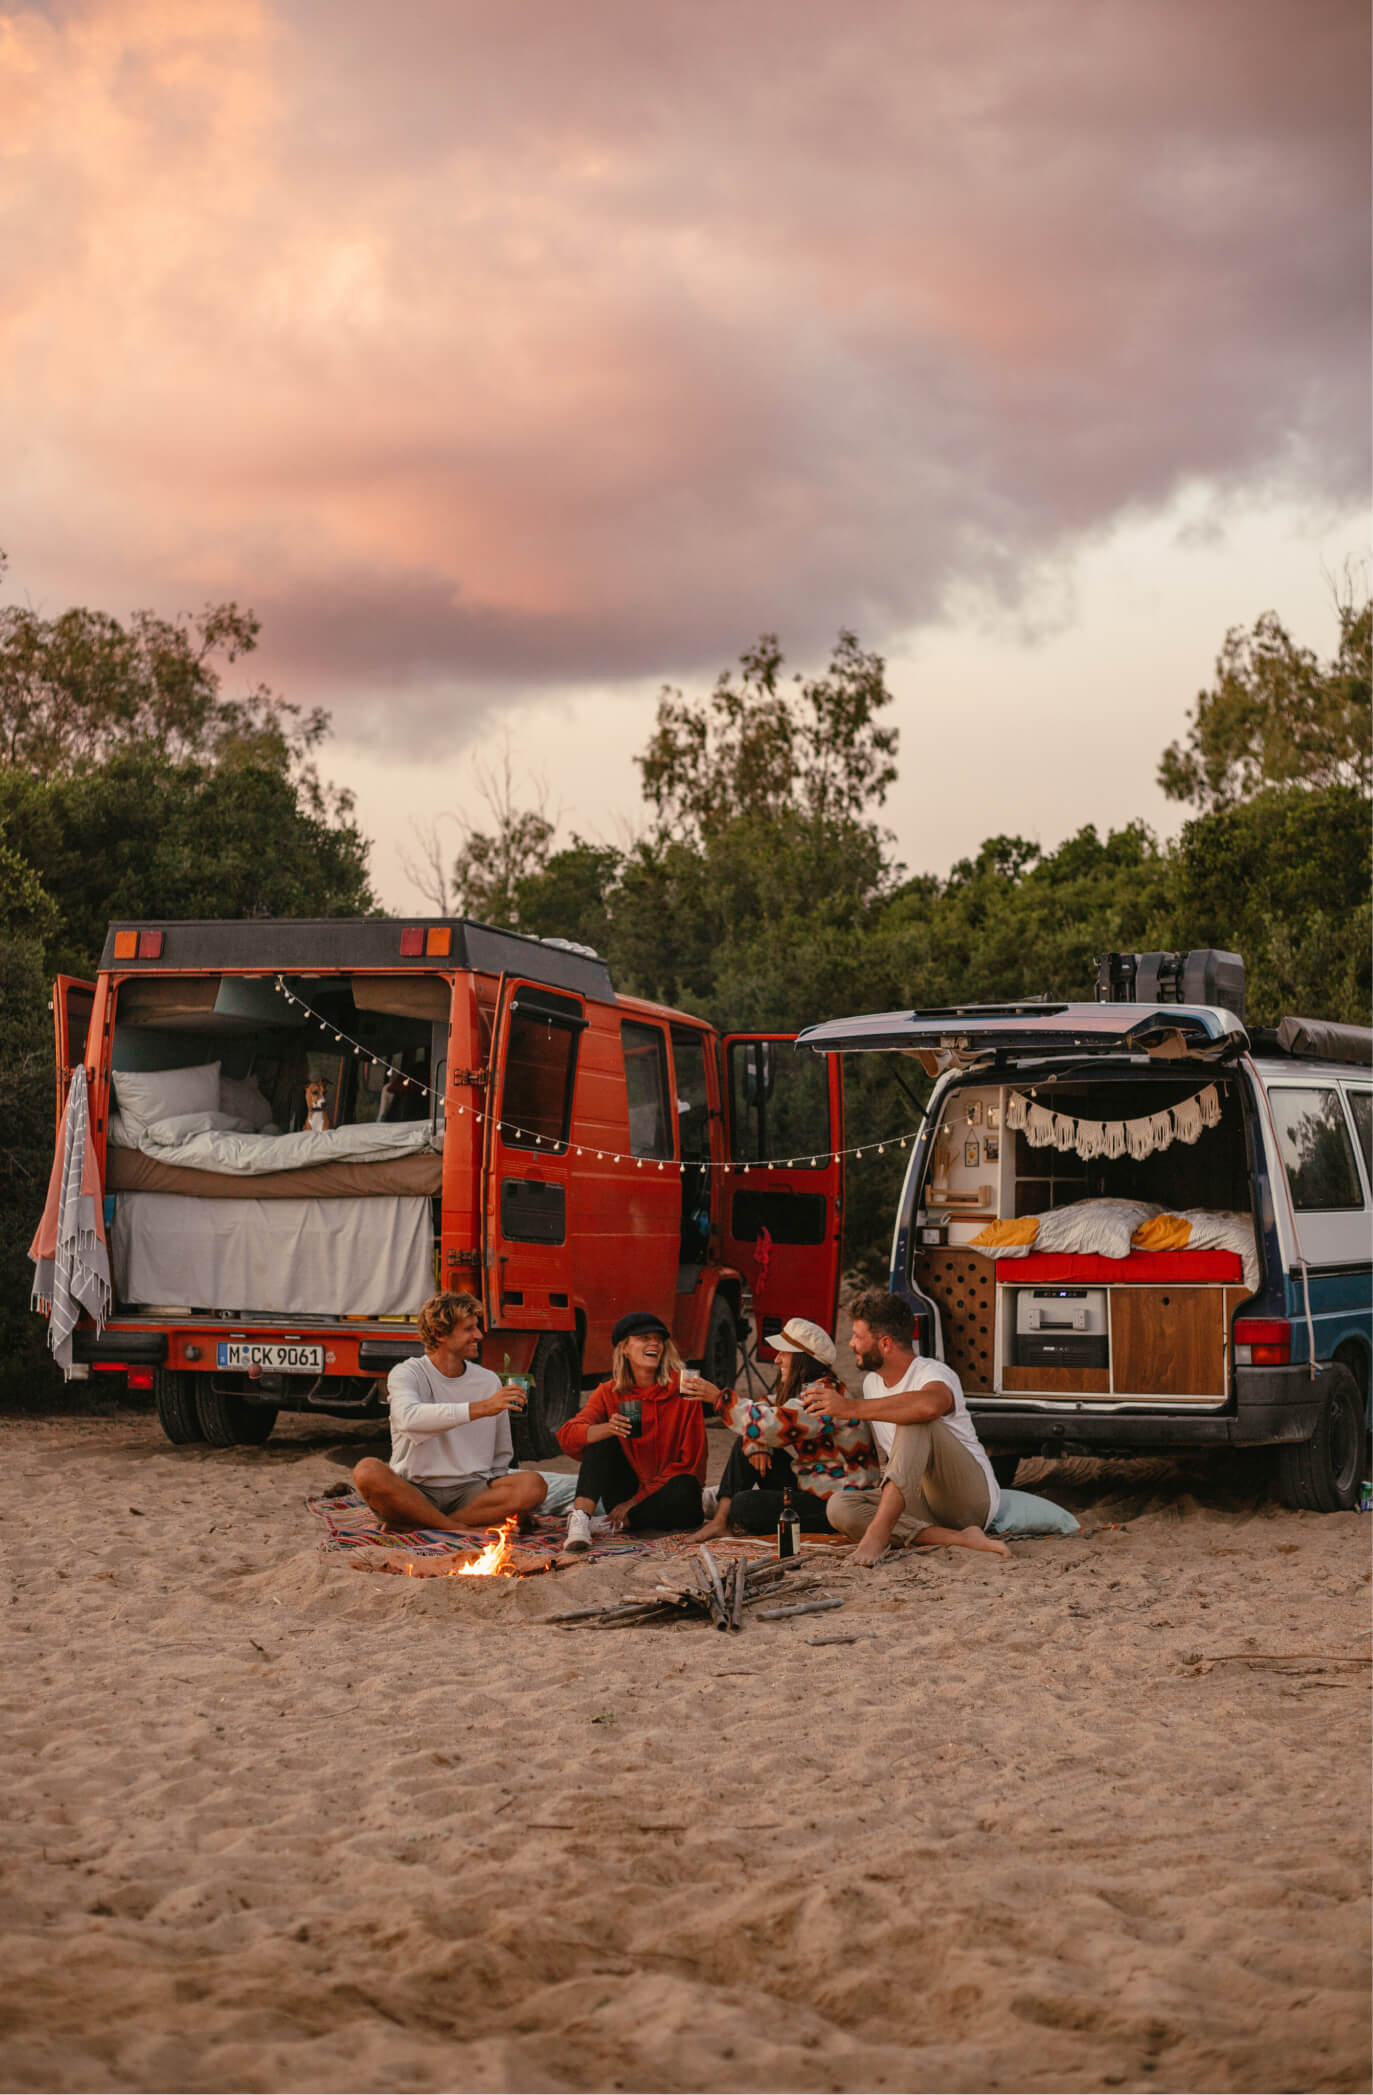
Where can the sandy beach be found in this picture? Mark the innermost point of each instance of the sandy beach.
(1096, 1817)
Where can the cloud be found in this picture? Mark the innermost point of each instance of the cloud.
(487, 346)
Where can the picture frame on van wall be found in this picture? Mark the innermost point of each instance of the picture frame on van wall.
(971, 1153)
(993, 1116)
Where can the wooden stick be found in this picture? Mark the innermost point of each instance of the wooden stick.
(719, 1608)
(856, 1637)
(807, 1607)
(1285, 1658)
(736, 1613)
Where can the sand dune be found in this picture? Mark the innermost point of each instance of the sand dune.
(279, 1823)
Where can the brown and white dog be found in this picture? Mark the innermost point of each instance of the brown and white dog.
(316, 1119)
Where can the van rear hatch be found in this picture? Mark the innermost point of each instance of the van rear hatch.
(965, 1036)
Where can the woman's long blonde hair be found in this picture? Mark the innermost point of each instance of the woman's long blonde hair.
(622, 1374)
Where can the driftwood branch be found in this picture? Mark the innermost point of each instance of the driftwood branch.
(807, 1607)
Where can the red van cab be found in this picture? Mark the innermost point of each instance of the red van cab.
(498, 1120)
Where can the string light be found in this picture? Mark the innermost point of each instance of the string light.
(405, 1082)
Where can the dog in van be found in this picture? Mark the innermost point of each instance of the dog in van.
(316, 1117)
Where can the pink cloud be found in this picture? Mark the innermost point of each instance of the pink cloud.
(483, 344)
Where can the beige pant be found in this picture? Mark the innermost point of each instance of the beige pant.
(943, 1485)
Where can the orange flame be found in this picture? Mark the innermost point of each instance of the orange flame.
(494, 1561)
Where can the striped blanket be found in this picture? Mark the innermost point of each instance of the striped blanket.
(352, 1525)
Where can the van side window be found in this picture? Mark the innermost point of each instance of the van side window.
(1361, 1106)
(1316, 1149)
(779, 1105)
(536, 1095)
(645, 1052)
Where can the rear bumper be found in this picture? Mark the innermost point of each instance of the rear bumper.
(1272, 1405)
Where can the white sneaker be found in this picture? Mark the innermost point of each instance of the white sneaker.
(578, 1530)
(710, 1501)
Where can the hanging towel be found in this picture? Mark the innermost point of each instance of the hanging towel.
(1065, 1132)
(1139, 1139)
(71, 1262)
(1017, 1110)
(1208, 1103)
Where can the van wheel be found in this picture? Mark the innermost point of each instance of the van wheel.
(557, 1374)
(1005, 1469)
(174, 1395)
(720, 1360)
(1323, 1474)
(232, 1422)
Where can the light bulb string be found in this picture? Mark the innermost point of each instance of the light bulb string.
(555, 1146)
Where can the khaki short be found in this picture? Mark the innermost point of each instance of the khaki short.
(449, 1497)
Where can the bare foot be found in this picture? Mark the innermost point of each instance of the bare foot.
(866, 1553)
(977, 1538)
(713, 1530)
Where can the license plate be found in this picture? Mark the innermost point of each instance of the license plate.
(279, 1357)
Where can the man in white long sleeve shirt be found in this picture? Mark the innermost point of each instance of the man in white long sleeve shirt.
(452, 1456)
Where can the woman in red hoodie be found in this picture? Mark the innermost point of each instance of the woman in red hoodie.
(645, 1464)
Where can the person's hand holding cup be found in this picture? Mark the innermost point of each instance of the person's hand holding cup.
(694, 1385)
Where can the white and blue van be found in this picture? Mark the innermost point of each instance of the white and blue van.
(1133, 1226)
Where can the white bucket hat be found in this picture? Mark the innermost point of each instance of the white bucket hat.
(799, 1335)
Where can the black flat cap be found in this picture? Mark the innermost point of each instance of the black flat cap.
(638, 1323)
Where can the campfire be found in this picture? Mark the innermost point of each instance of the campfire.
(494, 1561)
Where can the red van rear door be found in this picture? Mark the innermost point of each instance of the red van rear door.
(527, 1222)
(72, 1004)
(782, 1200)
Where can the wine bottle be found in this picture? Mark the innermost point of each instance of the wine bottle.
(788, 1527)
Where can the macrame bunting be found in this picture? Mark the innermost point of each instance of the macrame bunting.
(1045, 1129)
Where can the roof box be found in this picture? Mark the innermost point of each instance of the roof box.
(1207, 976)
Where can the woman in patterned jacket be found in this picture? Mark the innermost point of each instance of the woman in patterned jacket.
(781, 1446)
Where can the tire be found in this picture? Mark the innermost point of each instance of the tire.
(1004, 1469)
(557, 1371)
(232, 1422)
(720, 1358)
(1323, 1474)
(174, 1395)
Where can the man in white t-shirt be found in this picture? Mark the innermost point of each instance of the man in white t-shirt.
(452, 1456)
(937, 1484)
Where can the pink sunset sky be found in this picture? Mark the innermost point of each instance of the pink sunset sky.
(512, 359)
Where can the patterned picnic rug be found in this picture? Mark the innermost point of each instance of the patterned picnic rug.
(351, 1525)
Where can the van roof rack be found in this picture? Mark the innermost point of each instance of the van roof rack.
(1314, 1040)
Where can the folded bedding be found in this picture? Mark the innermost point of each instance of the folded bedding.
(244, 1155)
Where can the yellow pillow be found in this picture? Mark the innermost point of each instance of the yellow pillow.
(997, 1234)
(1162, 1233)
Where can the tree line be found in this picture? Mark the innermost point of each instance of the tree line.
(761, 891)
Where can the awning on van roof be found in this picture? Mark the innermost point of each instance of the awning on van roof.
(963, 1036)
(1323, 1041)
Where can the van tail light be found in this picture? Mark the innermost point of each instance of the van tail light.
(1263, 1342)
(140, 1378)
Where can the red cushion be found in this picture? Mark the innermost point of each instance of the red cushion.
(1141, 1268)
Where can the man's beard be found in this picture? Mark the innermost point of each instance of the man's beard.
(871, 1359)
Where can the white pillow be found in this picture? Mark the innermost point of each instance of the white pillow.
(148, 1095)
(1104, 1227)
(177, 1126)
(242, 1095)
(1215, 1230)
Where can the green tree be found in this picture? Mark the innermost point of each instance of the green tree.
(758, 747)
(28, 920)
(1276, 715)
(1284, 880)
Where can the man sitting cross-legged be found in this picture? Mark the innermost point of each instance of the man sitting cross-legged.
(937, 1484)
(452, 1456)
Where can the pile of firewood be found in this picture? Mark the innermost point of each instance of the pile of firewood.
(720, 1597)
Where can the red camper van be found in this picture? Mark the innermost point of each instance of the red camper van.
(498, 1120)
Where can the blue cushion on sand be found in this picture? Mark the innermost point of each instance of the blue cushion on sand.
(1022, 1513)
